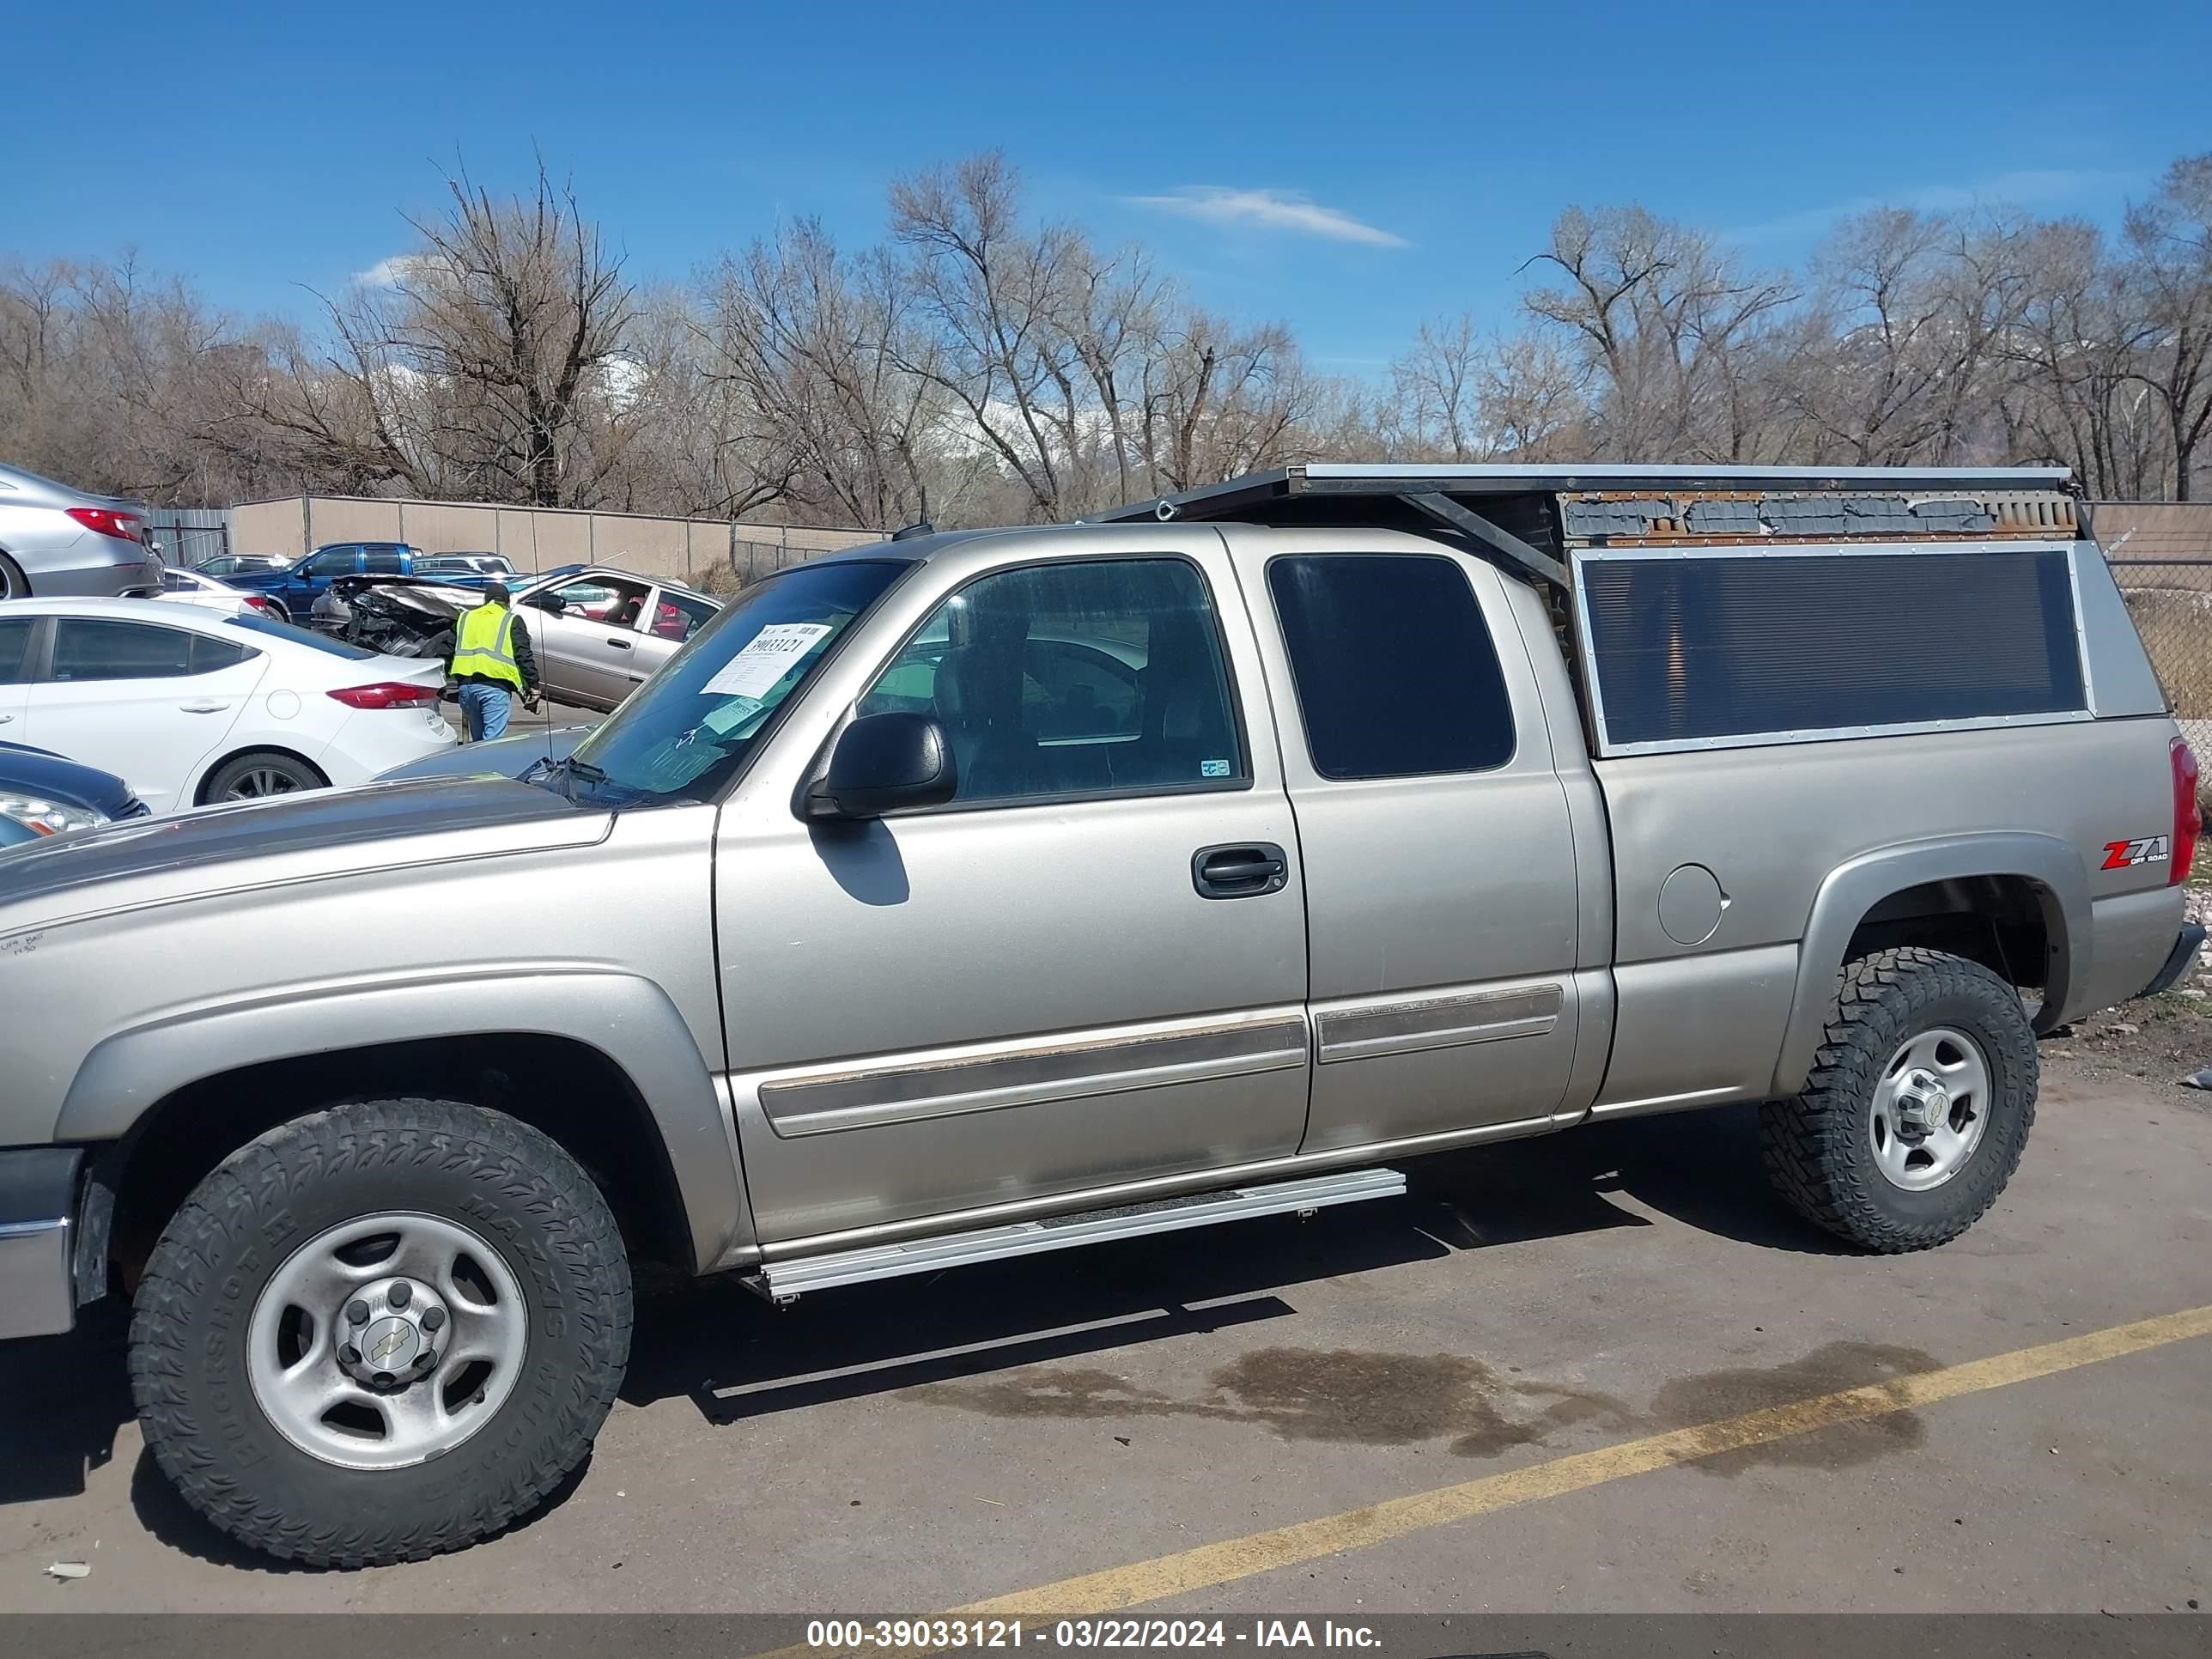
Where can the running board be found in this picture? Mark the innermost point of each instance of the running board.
(783, 1281)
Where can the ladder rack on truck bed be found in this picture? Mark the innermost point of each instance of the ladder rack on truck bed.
(1710, 607)
(1529, 519)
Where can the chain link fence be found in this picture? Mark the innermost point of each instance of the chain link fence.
(2170, 600)
(747, 562)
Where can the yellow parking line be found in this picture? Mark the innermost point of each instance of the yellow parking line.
(1212, 1565)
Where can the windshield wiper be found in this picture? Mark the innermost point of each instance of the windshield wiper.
(564, 772)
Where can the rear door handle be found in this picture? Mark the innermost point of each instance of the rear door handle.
(1239, 870)
(202, 707)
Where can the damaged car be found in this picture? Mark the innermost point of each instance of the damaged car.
(598, 633)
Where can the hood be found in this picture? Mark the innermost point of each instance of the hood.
(311, 835)
(41, 772)
(510, 757)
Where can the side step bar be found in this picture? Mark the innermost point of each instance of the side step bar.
(784, 1281)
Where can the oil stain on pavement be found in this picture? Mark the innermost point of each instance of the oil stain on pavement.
(1829, 1369)
(1300, 1394)
(1349, 1397)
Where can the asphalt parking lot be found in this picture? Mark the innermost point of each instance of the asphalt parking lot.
(1235, 1422)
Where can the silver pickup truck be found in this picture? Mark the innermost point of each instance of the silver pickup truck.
(991, 892)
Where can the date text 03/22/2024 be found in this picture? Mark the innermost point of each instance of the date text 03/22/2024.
(952, 1634)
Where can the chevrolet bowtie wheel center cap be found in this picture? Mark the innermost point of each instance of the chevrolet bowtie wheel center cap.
(391, 1333)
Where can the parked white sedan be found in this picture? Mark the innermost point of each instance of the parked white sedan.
(190, 587)
(192, 704)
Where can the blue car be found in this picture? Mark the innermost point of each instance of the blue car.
(43, 794)
(296, 586)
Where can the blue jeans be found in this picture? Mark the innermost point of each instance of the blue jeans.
(485, 708)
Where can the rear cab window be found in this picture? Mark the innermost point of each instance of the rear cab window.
(1396, 673)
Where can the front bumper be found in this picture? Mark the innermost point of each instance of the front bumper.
(2184, 952)
(38, 1202)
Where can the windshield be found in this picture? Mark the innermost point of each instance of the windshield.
(686, 733)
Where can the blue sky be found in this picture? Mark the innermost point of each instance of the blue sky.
(1350, 169)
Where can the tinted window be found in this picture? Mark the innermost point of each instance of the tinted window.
(1395, 672)
(381, 561)
(1092, 677)
(86, 650)
(338, 561)
(1734, 647)
(210, 654)
(15, 648)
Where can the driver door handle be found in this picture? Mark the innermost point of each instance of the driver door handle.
(202, 707)
(1239, 870)
(619, 645)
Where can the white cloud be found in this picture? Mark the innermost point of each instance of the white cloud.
(1268, 210)
(388, 272)
(623, 380)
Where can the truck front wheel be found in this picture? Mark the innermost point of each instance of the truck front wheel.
(380, 1332)
(1918, 1106)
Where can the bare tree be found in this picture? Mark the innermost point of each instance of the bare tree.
(991, 299)
(2076, 339)
(807, 345)
(2169, 274)
(491, 365)
(976, 365)
(1658, 313)
(1436, 392)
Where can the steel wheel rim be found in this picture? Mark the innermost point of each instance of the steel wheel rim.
(262, 781)
(1931, 1108)
(463, 1306)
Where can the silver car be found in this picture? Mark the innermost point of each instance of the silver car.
(237, 564)
(57, 541)
(599, 632)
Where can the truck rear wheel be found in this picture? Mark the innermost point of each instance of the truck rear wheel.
(1917, 1107)
(380, 1332)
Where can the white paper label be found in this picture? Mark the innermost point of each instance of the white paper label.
(754, 669)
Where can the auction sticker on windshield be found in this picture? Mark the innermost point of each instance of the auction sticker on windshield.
(774, 652)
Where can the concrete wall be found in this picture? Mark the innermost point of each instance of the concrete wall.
(536, 539)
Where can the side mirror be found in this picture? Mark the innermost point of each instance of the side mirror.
(549, 603)
(885, 764)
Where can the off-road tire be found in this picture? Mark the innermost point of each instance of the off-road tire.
(1816, 1147)
(506, 1182)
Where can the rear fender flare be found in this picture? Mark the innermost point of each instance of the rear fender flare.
(627, 1017)
(2049, 864)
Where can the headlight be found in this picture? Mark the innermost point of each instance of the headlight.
(47, 817)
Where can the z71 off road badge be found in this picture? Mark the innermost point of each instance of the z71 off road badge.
(2144, 849)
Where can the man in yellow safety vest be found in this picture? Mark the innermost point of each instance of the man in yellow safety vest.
(492, 663)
